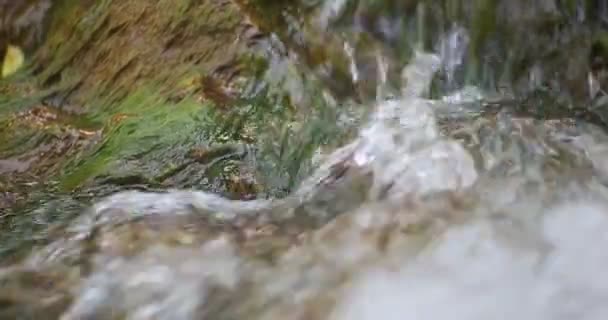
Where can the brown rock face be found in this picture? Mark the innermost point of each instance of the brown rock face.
(124, 44)
(23, 22)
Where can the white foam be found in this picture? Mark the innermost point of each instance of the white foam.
(470, 273)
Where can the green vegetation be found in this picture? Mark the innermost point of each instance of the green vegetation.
(141, 123)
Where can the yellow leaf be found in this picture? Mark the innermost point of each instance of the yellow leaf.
(13, 60)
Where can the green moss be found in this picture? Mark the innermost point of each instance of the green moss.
(145, 130)
(141, 123)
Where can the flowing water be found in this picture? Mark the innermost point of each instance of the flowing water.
(458, 206)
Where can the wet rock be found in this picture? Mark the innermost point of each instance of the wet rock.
(7, 199)
(23, 23)
(159, 283)
(31, 294)
(506, 46)
(173, 45)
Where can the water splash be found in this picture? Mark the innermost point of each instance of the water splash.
(397, 128)
(485, 215)
(474, 221)
(453, 49)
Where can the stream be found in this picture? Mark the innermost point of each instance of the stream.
(422, 176)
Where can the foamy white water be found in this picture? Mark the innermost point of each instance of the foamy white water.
(475, 271)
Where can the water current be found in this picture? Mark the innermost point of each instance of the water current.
(444, 208)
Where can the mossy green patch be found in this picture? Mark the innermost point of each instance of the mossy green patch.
(141, 123)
